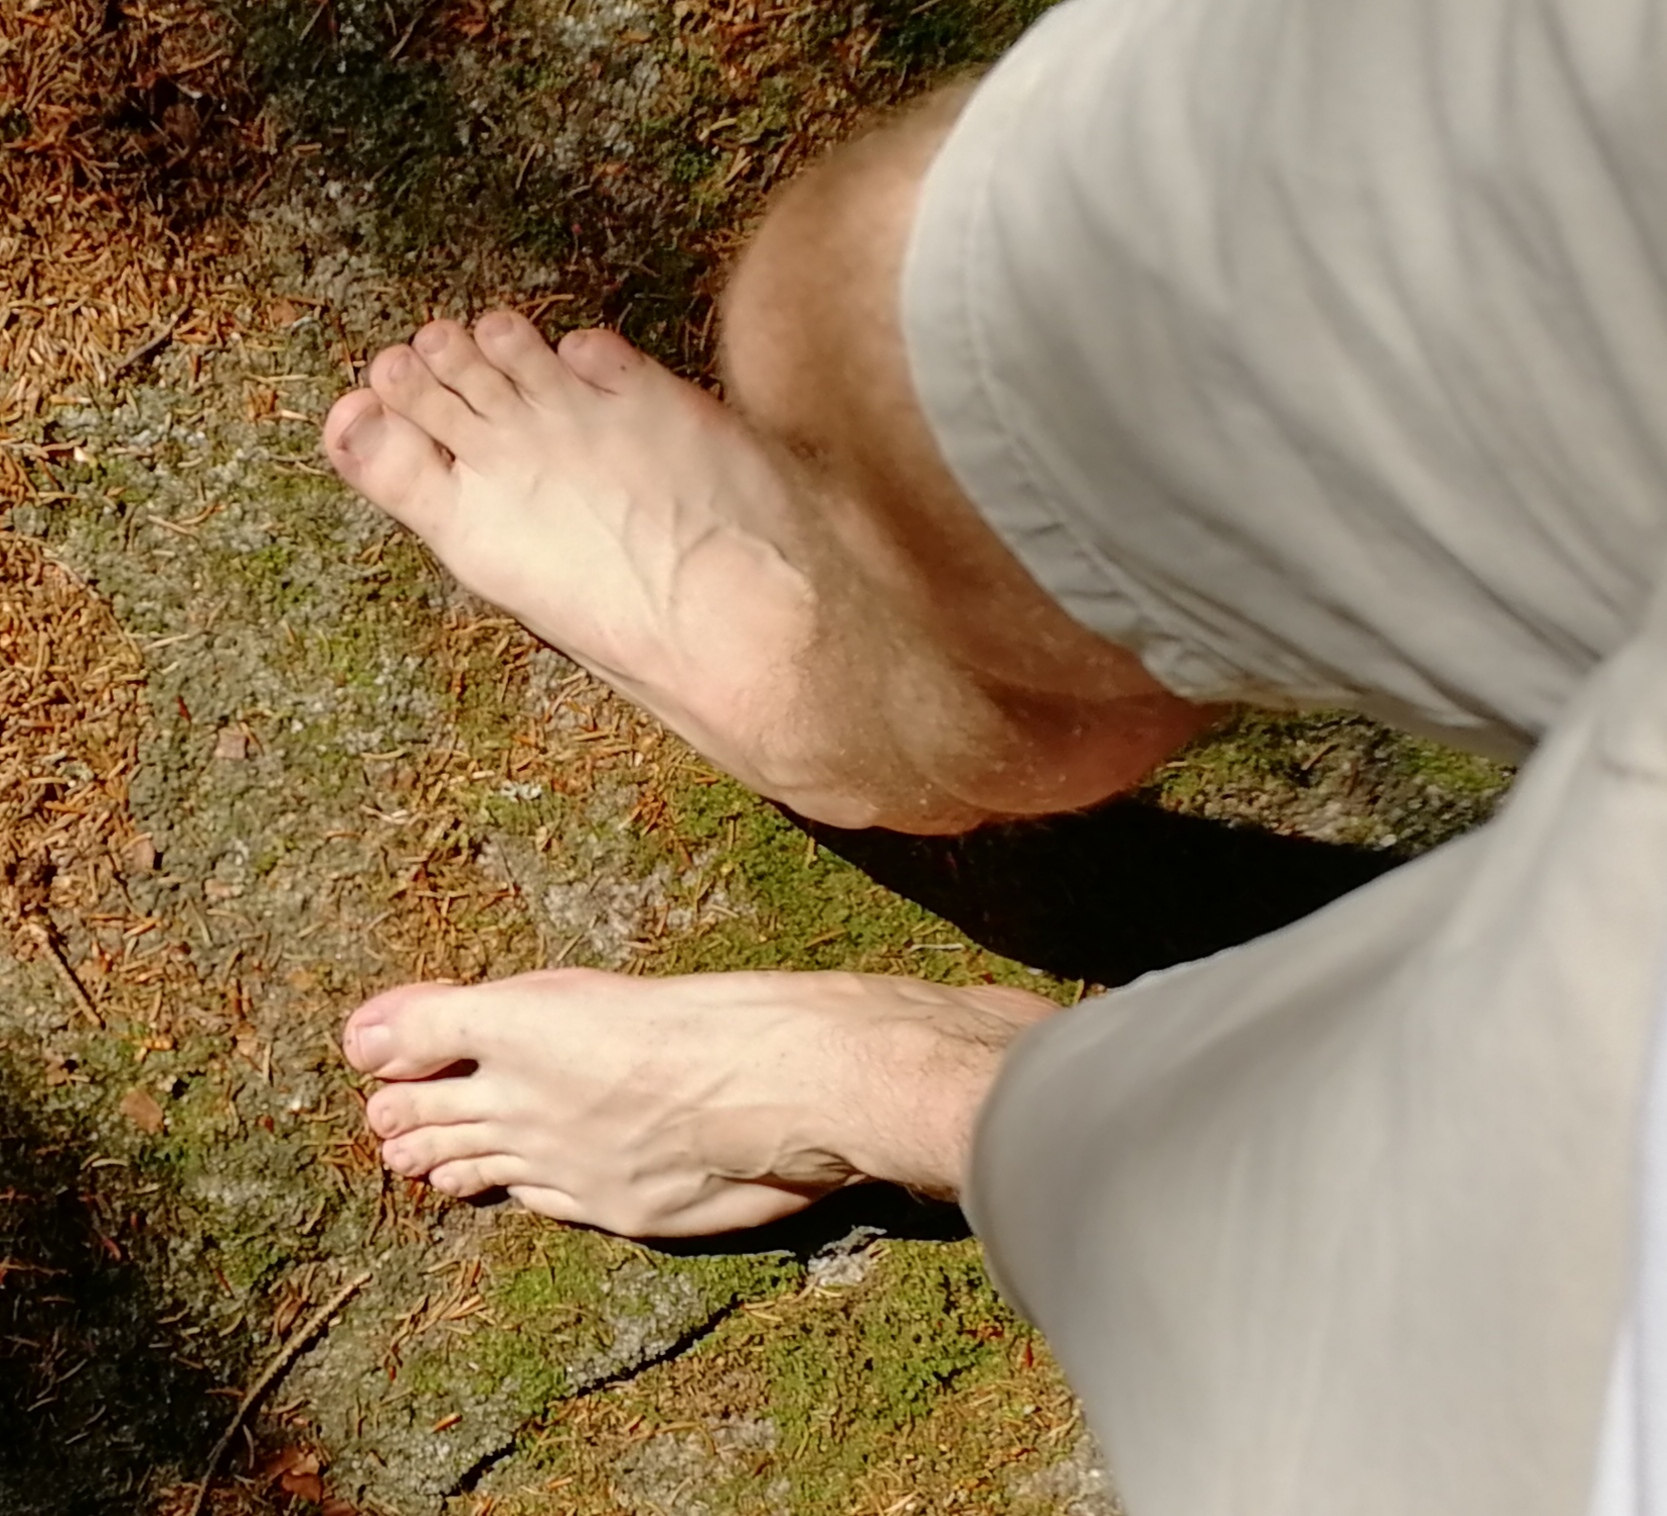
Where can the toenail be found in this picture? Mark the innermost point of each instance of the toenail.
(430, 339)
(372, 1044)
(360, 438)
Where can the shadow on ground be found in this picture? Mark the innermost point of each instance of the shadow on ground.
(1109, 894)
(874, 1209)
(1103, 895)
(96, 1396)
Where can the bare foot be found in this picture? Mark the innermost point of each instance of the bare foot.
(680, 1107)
(620, 513)
(634, 522)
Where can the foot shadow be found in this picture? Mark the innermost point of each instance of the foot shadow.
(1104, 896)
(1113, 893)
(842, 1218)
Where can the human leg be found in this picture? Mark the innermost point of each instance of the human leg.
(797, 585)
(800, 589)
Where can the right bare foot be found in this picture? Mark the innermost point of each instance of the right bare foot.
(634, 522)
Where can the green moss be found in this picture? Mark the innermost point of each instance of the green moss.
(394, 118)
(927, 1322)
(915, 1380)
(1254, 748)
(1451, 772)
(803, 907)
(563, 1300)
(1333, 774)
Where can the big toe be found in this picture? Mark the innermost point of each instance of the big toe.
(389, 460)
(410, 1033)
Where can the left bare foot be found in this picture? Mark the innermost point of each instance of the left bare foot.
(687, 1106)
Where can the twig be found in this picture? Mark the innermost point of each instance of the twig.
(151, 346)
(409, 32)
(269, 1376)
(47, 936)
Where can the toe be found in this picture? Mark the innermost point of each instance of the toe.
(416, 1153)
(409, 1033)
(542, 1200)
(454, 359)
(513, 344)
(409, 386)
(603, 359)
(392, 462)
(411, 1103)
(470, 1176)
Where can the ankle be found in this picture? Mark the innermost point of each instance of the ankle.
(915, 1076)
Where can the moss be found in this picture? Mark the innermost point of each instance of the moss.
(1333, 775)
(1449, 771)
(929, 1322)
(941, 36)
(917, 1384)
(800, 906)
(567, 1307)
(394, 118)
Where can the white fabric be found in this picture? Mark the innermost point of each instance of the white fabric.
(1317, 349)
(1342, 1220)
(1632, 1473)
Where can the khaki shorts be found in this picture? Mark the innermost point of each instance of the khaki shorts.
(1317, 350)
(1341, 1221)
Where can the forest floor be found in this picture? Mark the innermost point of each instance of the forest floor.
(259, 758)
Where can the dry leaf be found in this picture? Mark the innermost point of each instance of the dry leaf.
(232, 745)
(247, 1045)
(292, 1459)
(287, 1314)
(308, 1487)
(296, 1471)
(140, 1107)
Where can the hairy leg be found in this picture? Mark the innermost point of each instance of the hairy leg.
(795, 584)
(813, 355)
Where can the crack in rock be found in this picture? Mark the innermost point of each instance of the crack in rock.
(471, 1477)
